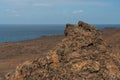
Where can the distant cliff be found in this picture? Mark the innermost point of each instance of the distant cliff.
(81, 55)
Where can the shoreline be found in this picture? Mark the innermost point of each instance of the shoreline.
(15, 53)
(49, 35)
(33, 38)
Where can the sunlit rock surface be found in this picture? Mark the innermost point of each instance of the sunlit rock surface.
(81, 55)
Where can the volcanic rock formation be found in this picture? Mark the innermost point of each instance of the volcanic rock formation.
(81, 55)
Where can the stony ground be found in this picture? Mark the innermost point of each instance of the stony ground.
(81, 55)
(13, 54)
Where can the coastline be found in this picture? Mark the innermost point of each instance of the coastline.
(49, 35)
(26, 40)
(14, 53)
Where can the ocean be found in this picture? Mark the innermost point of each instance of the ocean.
(14, 33)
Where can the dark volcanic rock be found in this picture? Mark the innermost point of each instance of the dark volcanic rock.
(81, 55)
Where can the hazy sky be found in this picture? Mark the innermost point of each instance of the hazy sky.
(59, 11)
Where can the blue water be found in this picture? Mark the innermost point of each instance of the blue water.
(13, 33)
(101, 26)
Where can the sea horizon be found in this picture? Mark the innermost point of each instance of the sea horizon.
(21, 32)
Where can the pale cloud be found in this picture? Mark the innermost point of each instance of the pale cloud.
(79, 2)
(97, 3)
(42, 5)
(77, 11)
(12, 12)
(7, 10)
(17, 6)
(56, 2)
(17, 15)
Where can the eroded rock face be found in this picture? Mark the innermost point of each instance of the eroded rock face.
(81, 55)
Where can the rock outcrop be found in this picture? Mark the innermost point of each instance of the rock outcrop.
(81, 55)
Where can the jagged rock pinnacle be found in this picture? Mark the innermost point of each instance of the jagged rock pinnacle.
(81, 55)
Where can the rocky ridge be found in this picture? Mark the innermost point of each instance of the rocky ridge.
(81, 55)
